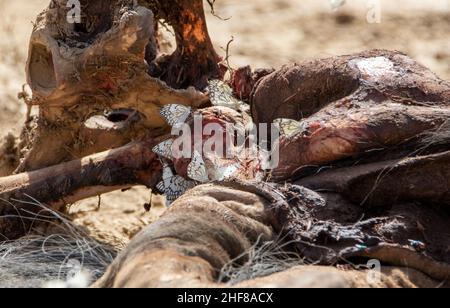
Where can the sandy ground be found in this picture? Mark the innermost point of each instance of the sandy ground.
(267, 33)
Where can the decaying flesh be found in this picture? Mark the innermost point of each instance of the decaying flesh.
(380, 208)
(372, 142)
(350, 106)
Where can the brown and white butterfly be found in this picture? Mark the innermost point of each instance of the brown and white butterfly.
(290, 128)
(222, 173)
(221, 94)
(175, 114)
(197, 169)
(173, 186)
(164, 149)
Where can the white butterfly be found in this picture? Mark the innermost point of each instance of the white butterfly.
(335, 4)
(225, 173)
(175, 114)
(197, 169)
(173, 186)
(290, 128)
(220, 94)
(164, 149)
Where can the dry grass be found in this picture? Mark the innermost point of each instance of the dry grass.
(38, 260)
(262, 259)
(267, 33)
(437, 137)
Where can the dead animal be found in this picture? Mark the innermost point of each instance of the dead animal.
(363, 152)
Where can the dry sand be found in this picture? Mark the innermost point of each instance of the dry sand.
(267, 33)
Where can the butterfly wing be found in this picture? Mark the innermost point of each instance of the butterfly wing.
(173, 186)
(289, 128)
(164, 149)
(166, 178)
(161, 187)
(225, 173)
(220, 94)
(178, 186)
(197, 169)
(335, 4)
(175, 114)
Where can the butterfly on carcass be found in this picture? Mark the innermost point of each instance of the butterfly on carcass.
(175, 114)
(290, 128)
(164, 149)
(200, 172)
(227, 172)
(197, 169)
(173, 186)
(221, 94)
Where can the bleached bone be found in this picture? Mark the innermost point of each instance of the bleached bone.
(79, 70)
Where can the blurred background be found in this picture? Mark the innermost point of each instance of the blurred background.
(275, 32)
(267, 33)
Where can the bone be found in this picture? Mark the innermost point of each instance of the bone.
(77, 71)
(60, 185)
(348, 105)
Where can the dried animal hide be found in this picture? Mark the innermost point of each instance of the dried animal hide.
(351, 107)
(326, 229)
(215, 224)
(110, 62)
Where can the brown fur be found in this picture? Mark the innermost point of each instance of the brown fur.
(204, 230)
(214, 224)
